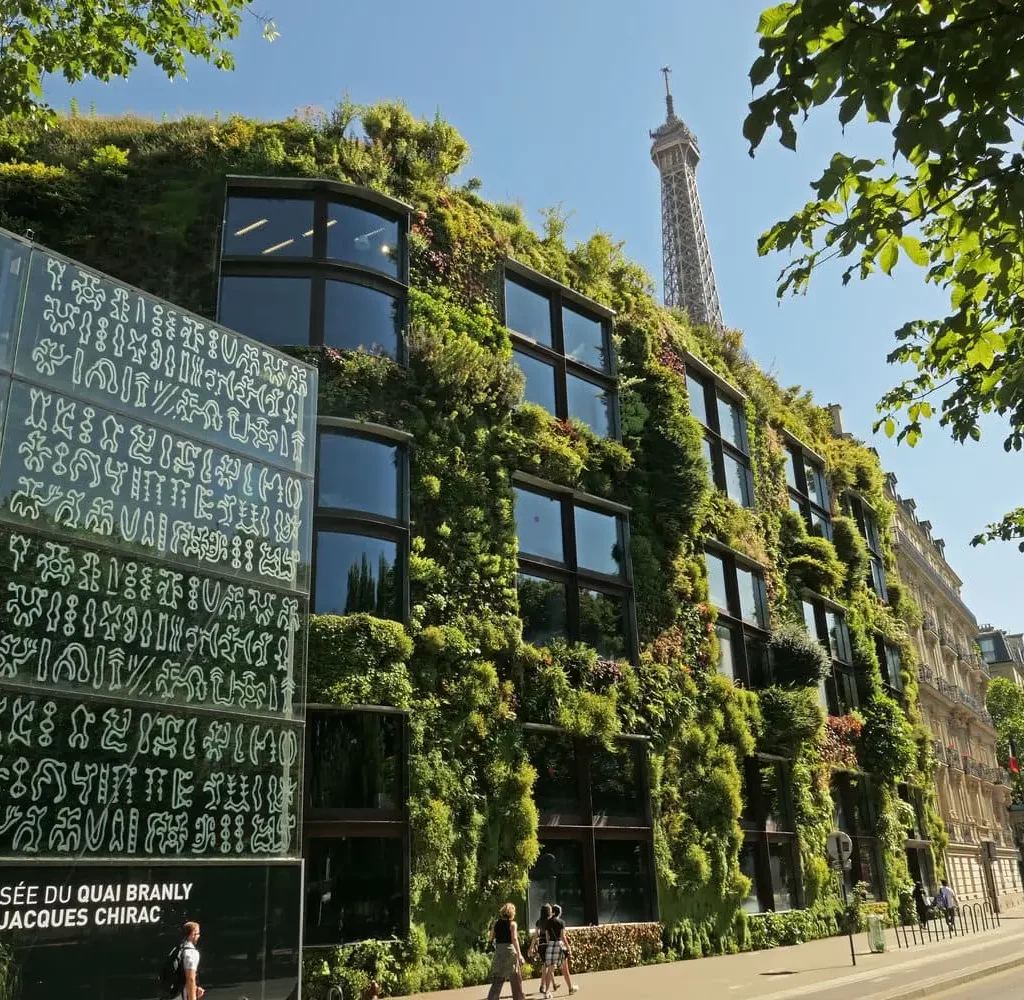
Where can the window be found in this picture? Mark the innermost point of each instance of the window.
(808, 489)
(314, 262)
(596, 838)
(769, 856)
(574, 578)
(841, 692)
(988, 649)
(738, 592)
(892, 666)
(355, 825)
(853, 800)
(562, 346)
(273, 310)
(360, 525)
(725, 436)
(862, 513)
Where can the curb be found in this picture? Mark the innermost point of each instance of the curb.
(942, 984)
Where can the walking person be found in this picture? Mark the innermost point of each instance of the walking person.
(508, 959)
(921, 904)
(182, 966)
(946, 901)
(539, 941)
(557, 955)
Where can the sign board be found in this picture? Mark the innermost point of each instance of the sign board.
(156, 479)
(839, 848)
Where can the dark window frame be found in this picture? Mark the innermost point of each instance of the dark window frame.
(364, 523)
(843, 678)
(758, 836)
(362, 824)
(866, 847)
(882, 648)
(569, 573)
(589, 828)
(714, 388)
(864, 514)
(318, 267)
(560, 296)
(731, 617)
(800, 494)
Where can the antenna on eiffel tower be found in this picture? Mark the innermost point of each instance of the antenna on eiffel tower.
(669, 104)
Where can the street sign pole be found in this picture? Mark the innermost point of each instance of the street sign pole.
(839, 848)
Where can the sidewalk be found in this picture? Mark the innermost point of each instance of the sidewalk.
(820, 969)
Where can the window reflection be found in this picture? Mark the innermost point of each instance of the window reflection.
(791, 460)
(584, 339)
(698, 402)
(617, 781)
(597, 542)
(839, 640)
(542, 608)
(557, 877)
(748, 867)
(589, 404)
(539, 525)
(553, 756)
(737, 481)
(730, 418)
(540, 381)
(528, 312)
(752, 598)
(269, 227)
(602, 623)
(726, 653)
(354, 889)
(358, 318)
(716, 581)
(274, 311)
(783, 872)
(354, 760)
(355, 573)
(357, 236)
(623, 882)
(356, 473)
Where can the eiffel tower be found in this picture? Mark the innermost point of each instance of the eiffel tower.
(689, 279)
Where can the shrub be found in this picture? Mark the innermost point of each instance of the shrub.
(888, 740)
(614, 946)
(790, 719)
(798, 660)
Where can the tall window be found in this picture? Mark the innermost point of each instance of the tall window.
(356, 828)
(843, 690)
(314, 262)
(361, 529)
(596, 857)
(769, 856)
(855, 814)
(892, 666)
(724, 420)
(736, 588)
(562, 344)
(574, 572)
(808, 488)
(866, 520)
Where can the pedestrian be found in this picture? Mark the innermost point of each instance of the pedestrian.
(539, 940)
(182, 965)
(921, 903)
(557, 954)
(946, 901)
(507, 962)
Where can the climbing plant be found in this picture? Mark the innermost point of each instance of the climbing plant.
(142, 200)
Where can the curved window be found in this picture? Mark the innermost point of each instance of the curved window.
(359, 474)
(360, 318)
(308, 263)
(273, 310)
(357, 236)
(355, 573)
(268, 227)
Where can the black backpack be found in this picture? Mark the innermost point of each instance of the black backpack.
(172, 975)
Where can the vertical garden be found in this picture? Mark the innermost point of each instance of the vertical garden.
(143, 201)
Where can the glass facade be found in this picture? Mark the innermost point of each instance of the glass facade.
(726, 448)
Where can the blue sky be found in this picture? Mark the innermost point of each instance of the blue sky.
(556, 100)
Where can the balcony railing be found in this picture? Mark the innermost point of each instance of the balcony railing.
(930, 625)
(905, 544)
(953, 758)
(945, 688)
(926, 675)
(939, 749)
(947, 639)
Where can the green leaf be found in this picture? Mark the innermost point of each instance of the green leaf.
(888, 255)
(980, 353)
(889, 426)
(913, 249)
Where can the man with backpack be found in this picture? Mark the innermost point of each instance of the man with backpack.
(181, 966)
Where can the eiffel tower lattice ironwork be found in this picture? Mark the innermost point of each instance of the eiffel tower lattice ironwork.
(688, 276)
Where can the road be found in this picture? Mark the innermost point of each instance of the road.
(1007, 986)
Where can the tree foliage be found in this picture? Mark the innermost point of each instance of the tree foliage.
(1005, 702)
(943, 77)
(80, 38)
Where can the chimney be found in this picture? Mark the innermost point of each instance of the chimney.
(836, 410)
